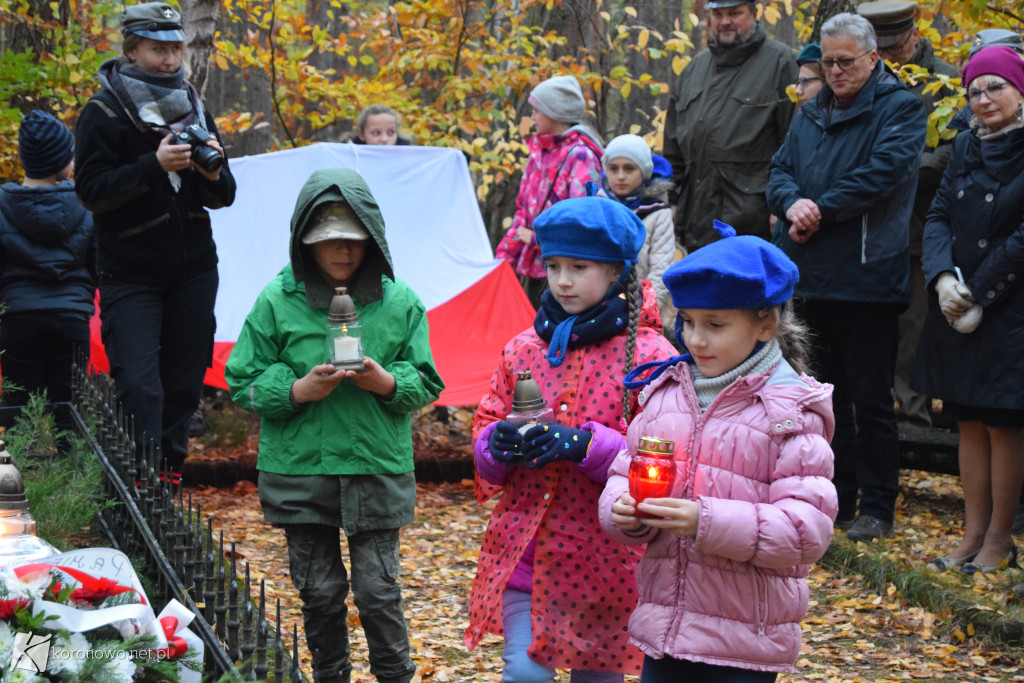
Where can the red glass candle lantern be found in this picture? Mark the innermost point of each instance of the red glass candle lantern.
(652, 470)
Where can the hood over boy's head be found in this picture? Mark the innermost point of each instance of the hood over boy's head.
(317, 216)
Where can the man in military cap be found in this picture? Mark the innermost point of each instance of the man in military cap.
(900, 42)
(727, 114)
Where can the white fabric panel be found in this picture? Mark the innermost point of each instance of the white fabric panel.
(434, 230)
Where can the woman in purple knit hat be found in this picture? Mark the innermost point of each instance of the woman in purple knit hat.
(972, 348)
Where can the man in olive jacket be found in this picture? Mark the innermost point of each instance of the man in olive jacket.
(727, 114)
(336, 445)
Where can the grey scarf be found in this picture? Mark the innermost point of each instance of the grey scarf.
(708, 388)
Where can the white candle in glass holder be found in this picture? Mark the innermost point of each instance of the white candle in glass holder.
(346, 348)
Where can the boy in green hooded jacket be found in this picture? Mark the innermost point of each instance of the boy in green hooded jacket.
(335, 447)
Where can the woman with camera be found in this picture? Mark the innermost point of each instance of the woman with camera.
(148, 165)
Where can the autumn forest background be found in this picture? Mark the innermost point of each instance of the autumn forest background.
(284, 73)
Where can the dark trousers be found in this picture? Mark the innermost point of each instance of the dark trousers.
(36, 353)
(668, 670)
(318, 572)
(853, 347)
(914, 407)
(159, 339)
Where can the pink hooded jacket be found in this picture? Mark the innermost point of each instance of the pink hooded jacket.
(759, 463)
(558, 168)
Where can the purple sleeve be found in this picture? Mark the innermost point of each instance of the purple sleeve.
(605, 445)
(489, 469)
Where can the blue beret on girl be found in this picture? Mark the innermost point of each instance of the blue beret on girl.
(734, 272)
(593, 228)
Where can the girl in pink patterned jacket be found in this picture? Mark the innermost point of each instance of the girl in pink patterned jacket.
(549, 580)
(564, 156)
(721, 584)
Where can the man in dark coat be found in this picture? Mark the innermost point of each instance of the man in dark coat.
(843, 184)
(727, 114)
(899, 41)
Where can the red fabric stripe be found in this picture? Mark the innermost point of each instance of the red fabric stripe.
(469, 331)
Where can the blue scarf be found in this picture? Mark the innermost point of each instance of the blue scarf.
(563, 331)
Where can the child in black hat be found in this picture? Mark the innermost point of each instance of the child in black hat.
(548, 579)
(149, 165)
(722, 587)
(47, 274)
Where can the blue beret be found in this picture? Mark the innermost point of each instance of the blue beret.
(734, 272)
(594, 228)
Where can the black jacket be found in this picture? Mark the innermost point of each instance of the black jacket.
(47, 250)
(146, 232)
(976, 224)
(859, 165)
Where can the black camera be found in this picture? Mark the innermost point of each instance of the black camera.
(203, 155)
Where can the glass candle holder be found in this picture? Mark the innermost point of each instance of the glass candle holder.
(528, 406)
(344, 333)
(652, 470)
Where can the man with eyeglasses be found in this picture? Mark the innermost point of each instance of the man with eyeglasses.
(727, 114)
(899, 41)
(843, 184)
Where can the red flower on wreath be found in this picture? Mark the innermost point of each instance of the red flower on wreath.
(9, 607)
(97, 591)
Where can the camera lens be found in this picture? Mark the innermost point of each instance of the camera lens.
(207, 158)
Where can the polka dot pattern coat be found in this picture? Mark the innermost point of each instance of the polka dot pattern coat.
(584, 586)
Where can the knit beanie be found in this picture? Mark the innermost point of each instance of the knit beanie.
(734, 272)
(996, 61)
(632, 147)
(592, 228)
(560, 98)
(45, 145)
(809, 56)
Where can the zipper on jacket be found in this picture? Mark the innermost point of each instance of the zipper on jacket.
(761, 596)
(864, 238)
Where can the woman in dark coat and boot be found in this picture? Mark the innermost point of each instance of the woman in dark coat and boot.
(972, 349)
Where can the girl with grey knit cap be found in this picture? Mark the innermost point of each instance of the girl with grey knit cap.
(640, 180)
(564, 156)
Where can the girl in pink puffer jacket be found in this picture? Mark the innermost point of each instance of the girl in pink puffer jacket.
(721, 584)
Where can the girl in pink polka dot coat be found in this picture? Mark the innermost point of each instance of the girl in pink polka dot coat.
(549, 580)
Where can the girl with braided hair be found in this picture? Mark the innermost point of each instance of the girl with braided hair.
(549, 580)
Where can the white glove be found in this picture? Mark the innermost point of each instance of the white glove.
(954, 298)
(969, 321)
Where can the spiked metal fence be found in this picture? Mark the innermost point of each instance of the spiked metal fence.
(155, 524)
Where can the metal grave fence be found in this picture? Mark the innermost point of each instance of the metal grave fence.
(176, 550)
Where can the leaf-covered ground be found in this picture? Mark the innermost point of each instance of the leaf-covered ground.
(852, 631)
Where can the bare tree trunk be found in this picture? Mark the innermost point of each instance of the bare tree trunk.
(200, 20)
(826, 10)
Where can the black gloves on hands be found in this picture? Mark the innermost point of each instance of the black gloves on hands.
(504, 442)
(545, 443)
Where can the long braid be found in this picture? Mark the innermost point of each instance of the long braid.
(634, 301)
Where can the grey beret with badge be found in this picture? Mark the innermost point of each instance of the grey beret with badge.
(997, 36)
(153, 20)
(891, 19)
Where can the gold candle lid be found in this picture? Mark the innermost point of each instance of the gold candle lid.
(656, 446)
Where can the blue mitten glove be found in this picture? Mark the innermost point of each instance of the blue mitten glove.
(546, 443)
(504, 442)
